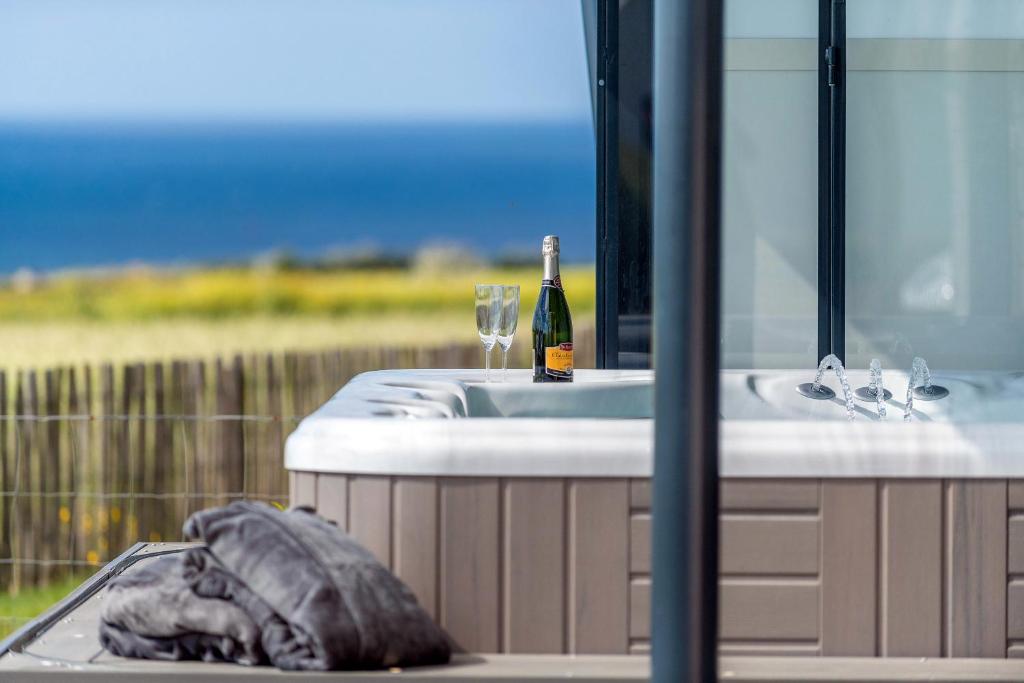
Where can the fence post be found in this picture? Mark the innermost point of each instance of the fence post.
(30, 465)
(178, 429)
(275, 431)
(191, 404)
(162, 449)
(19, 544)
(77, 464)
(230, 441)
(6, 471)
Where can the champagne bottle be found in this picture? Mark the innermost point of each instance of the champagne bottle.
(552, 324)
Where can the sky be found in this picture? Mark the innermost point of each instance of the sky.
(293, 60)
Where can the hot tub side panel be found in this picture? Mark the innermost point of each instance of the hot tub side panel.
(770, 567)
(554, 565)
(510, 565)
(840, 567)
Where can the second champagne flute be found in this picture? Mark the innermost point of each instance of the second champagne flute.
(509, 321)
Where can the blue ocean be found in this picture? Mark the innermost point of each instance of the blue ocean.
(81, 196)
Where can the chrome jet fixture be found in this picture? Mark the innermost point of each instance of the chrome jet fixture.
(875, 391)
(920, 386)
(817, 391)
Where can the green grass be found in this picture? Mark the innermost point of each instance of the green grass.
(218, 293)
(18, 609)
(149, 315)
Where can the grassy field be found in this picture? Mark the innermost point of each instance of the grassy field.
(16, 610)
(145, 314)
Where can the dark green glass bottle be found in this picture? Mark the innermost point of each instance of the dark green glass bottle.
(552, 324)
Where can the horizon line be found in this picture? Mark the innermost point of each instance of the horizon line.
(258, 122)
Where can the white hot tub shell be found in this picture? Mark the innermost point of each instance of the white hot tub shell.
(520, 514)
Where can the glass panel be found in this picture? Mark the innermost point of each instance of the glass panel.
(935, 183)
(770, 184)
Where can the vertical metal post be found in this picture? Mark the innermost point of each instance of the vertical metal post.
(687, 158)
(831, 178)
(824, 181)
(837, 142)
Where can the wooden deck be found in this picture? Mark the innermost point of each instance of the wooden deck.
(533, 669)
(63, 645)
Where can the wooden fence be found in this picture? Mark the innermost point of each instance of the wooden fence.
(94, 458)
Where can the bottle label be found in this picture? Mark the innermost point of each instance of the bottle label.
(558, 360)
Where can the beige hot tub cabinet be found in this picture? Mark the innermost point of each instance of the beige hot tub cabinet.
(840, 539)
(886, 567)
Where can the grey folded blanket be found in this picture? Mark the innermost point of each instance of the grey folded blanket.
(284, 587)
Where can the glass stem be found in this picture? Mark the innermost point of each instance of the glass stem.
(487, 364)
(504, 364)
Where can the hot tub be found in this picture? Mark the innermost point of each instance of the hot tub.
(520, 513)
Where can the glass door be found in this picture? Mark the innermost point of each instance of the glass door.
(935, 183)
(770, 184)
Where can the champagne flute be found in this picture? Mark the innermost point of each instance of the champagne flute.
(488, 320)
(509, 320)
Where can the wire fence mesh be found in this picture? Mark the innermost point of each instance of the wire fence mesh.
(95, 458)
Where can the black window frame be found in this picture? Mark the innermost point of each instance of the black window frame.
(619, 240)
